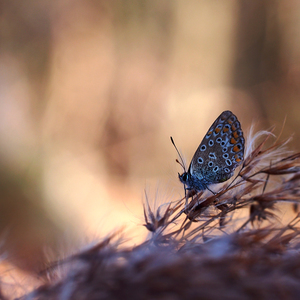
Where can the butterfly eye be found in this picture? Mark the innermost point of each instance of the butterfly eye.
(203, 148)
(184, 177)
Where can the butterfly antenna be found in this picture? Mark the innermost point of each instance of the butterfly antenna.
(182, 162)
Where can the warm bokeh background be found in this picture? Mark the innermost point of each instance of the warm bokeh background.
(91, 91)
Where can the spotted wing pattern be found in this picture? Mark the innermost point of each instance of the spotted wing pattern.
(220, 152)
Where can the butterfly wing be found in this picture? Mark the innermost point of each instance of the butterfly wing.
(220, 152)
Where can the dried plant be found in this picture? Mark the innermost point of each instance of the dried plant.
(255, 188)
(200, 247)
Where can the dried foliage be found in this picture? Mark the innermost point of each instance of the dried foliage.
(255, 188)
(200, 246)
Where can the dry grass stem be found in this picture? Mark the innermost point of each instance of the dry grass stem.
(229, 245)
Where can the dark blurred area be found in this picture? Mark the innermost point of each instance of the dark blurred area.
(90, 92)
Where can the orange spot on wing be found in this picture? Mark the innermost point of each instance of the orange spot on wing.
(235, 135)
(232, 141)
(236, 149)
(217, 130)
(233, 127)
(225, 129)
(209, 133)
(229, 121)
(237, 160)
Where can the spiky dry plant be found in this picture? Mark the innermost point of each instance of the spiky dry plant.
(269, 175)
(202, 248)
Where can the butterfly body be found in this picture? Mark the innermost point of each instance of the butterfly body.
(218, 155)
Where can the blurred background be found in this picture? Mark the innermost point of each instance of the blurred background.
(91, 91)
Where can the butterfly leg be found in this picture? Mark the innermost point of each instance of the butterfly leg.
(211, 191)
(186, 195)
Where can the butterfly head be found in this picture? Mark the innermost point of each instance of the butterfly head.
(184, 177)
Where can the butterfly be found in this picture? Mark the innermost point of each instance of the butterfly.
(218, 155)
